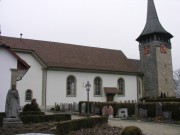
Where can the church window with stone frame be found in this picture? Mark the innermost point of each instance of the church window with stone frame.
(28, 95)
(97, 86)
(121, 86)
(71, 86)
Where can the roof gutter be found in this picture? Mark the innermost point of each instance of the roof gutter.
(93, 71)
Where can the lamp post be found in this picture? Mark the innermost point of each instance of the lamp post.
(88, 86)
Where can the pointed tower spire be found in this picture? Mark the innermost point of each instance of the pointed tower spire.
(153, 26)
(155, 56)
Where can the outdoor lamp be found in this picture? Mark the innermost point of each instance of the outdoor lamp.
(88, 86)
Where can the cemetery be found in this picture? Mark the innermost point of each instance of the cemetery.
(59, 121)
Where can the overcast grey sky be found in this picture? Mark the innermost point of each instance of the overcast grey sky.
(113, 24)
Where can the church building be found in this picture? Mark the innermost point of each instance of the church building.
(58, 72)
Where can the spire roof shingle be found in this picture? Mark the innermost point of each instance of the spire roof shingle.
(153, 24)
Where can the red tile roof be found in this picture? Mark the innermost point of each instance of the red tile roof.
(22, 66)
(61, 55)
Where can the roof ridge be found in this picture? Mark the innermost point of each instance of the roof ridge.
(77, 45)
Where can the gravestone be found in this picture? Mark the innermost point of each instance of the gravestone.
(92, 111)
(97, 111)
(123, 113)
(104, 110)
(167, 115)
(110, 111)
(136, 109)
(62, 107)
(76, 108)
(142, 112)
(83, 108)
(158, 109)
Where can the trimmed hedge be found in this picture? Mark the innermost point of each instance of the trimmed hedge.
(163, 100)
(45, 118)
(32, 113)
(2, 115)
(73, 125)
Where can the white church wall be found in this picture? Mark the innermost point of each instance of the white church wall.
(56, 84)
(32, 79)
(8, 62)
(130, 90)
(56, 87)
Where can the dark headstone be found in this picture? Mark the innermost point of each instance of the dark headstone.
(142, 112)
(136, 109)
(167, 115)
(92, 111)
(97, 111)
(83, 108)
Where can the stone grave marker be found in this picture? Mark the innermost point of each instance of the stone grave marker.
(158, 109)
(110, 111)
(75, 107)
(123, 113)
(167, 115)
(104, 110)
(83, 108)
(142, 112)
(136, 109)
(97, 111)
(92, 111)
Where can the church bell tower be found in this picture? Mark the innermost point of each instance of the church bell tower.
(155, 56)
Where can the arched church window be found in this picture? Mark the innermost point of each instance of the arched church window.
(28, 95)
(71, 86)
(121, 86)
(97, 86)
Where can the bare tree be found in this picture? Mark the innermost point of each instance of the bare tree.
(177, 83)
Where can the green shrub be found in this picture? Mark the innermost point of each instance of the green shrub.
(31, 107)
(131, 130)
(45, 118)
(67, 126)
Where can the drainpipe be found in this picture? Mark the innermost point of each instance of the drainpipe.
(44, 87)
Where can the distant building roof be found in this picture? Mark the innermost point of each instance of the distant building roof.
(61, 55)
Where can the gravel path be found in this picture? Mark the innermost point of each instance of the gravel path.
(148, 128)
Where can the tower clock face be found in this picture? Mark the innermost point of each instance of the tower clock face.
(147, 50)
(163, 49)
